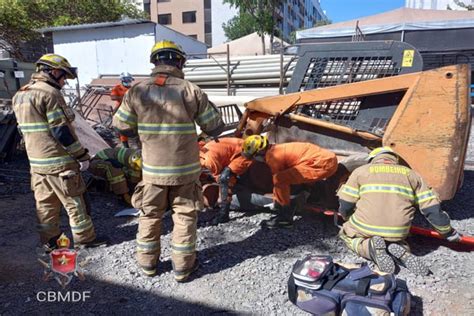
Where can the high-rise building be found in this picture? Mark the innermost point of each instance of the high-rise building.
(203, 19)
(200, 19)
(436, 4)
(296, 15)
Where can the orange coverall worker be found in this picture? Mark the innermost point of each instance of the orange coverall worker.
(225, 161)
(297, 163)
(117, 93)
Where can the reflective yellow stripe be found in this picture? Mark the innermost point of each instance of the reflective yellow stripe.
(442, 229)
(183, 248)
(83, 226)
(101, 154)
(55, 115)
(425, 196)
(207, 116)
(34, 127)
(383, 231)
(115, 180)
(350, 191)
(121, 155)
(46, 162)
(74, 147)
(387, 188)
(172, 170)
(144, 246)
(167, 129)
(126, 117)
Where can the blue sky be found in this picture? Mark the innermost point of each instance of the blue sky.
(345, 10)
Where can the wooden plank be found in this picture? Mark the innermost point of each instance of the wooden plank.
(88, 136)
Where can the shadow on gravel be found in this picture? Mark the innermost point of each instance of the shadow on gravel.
(416, 306)
(320, 234)
(461, 206)
(95, 297)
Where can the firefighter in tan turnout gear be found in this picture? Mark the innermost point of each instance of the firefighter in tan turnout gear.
(120, 167)
(55, 154)
(163, 110)
(379, 202)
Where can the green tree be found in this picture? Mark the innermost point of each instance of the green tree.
(461, 4)
(19, 19)
(322, 23)
(263, 12)
(240, 25)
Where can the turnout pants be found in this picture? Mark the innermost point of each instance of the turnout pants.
(359, 242)
(114, 176)
(153, 200)
(66, 189)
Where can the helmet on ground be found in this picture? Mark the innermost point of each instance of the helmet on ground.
(135, 160)
(125, 76)
(381, 150)
(253, 144)
(168, 52)
(54, 61)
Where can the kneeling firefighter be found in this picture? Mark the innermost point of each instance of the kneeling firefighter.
(121, 167)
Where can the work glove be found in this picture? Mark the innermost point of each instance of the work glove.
(84, 165)
(453, 236)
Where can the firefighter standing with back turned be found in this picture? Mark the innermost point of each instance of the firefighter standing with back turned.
(56, 156)
(379, 201)
(163, 111)
(291, 164)
(224, 160)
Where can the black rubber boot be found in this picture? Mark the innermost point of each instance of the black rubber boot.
(98, 241)
(408, 260)
(283, 219)
(222, 215)
(378, 253)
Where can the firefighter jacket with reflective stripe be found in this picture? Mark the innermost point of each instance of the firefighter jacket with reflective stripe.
(39, 108)
(120, 158)
(163, 110)
(215, 156)
(281, 157)
(386, 196)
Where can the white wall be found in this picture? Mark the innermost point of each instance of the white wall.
(188, 44)
(221, 13)
(107, 50)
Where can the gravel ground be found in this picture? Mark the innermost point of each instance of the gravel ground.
(243, 270)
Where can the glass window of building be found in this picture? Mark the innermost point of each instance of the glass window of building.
(189, 17)
(207, 4)
(164, 19)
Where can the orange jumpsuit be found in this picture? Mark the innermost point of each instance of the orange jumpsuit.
(297, 163)
(215, 156)
(117, 93)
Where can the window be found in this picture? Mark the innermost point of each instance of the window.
(164, 19)
(189, 17)
(164, 0)
(207, 4)
(207, 27)
(193, 36)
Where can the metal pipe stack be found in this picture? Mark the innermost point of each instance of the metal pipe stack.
(256, 76)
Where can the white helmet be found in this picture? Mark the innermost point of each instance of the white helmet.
(125, 76)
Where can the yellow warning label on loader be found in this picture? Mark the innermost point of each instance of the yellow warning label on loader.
(408, 55)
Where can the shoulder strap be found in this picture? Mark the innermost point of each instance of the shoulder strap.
(363, 286)
(334, 277)
(160, 80)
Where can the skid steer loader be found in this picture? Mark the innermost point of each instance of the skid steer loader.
(351, 97)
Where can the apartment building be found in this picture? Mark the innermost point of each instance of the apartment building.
(203, 19)
(296, 15)
(436, 4)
